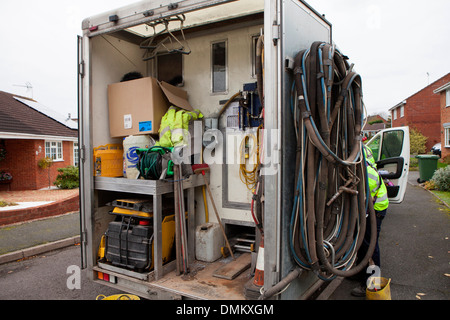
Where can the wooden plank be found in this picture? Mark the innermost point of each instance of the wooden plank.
(234, 268)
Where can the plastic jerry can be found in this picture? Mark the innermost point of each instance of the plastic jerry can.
(108, 160)
(208, 242)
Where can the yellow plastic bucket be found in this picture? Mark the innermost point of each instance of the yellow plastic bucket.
(378, 289)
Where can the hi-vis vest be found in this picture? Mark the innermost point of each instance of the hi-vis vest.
(175, 125)
(369, 155)
(378, 190)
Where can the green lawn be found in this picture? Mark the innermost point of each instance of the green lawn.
(441, 165)
(443, 195)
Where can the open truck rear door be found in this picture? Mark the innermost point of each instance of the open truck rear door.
(390, 148)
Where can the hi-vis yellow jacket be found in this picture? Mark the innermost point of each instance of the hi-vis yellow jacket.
(378, 190)
(175, 125)
(369, 155)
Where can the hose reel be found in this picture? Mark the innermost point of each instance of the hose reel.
(154, 163)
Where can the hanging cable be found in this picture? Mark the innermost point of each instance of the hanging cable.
(250, 160)
(257, 203)
(328, 219)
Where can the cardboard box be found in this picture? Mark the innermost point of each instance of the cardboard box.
(137, 106)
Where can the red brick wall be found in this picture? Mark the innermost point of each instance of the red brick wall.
(19, 160)
(445, 118)
(47, 210)
(22, 160)
(423, 112)
(399, 122)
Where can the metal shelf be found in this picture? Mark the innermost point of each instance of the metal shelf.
(156, 188)
(149, 187)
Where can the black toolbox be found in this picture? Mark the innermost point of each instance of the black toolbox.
(129, 245)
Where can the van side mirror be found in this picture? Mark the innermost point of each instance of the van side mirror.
(393, 166)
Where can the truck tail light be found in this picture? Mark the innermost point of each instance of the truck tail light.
(106, 277)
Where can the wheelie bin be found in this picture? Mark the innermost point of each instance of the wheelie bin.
(427, 166)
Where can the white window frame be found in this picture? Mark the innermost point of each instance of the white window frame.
(254, 40)
(75, 154)
(54, 150)
(447, 135)
(394, 116)
(402, 111)
(225, 91)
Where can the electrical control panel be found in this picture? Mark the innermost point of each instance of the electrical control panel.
(250, 109)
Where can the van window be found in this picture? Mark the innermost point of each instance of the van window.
(374, 145)
(392, 144)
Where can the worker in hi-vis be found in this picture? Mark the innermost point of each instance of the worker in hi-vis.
(379, 195)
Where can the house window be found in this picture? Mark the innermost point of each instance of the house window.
(54, 150)
(447, 135)
(394, 114)
(219, 66)
(75, 154)
(402, 111)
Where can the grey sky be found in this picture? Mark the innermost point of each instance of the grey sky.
(39, 46)
(393, 44)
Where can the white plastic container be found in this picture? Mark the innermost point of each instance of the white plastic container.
(130, 157)
(208, 242)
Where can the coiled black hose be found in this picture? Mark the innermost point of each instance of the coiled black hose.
(332, 196)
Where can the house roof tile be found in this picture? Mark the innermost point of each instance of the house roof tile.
(18, 117)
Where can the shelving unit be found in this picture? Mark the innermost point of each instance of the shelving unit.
(156, 188)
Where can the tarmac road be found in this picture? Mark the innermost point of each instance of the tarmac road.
(45, 277)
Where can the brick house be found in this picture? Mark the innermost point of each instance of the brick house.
(30, 132)
(444, 94)
(422, 111)
(374, 124)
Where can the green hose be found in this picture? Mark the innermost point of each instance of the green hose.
(153, 161)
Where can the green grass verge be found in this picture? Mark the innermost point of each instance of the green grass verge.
(443, 195)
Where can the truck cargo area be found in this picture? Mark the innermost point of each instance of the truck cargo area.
(200, 283)
(199, 57)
